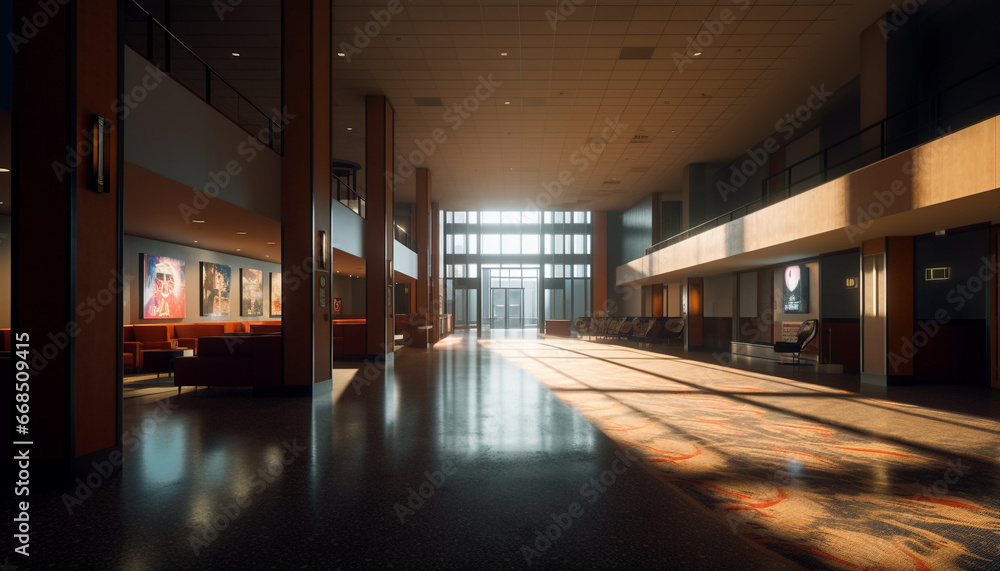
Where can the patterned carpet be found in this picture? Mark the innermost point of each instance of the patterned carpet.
(826, 478)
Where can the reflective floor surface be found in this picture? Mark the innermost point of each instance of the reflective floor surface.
(452, 458)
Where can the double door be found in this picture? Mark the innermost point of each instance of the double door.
(506, 308)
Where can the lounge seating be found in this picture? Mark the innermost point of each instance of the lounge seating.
(350, 336)
(582, 325)
(233, 361)
(806, 333)
(151, 336)
(188, 334)
(670, 328)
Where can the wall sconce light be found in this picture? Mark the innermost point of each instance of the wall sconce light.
(322, 250)
(98, 181)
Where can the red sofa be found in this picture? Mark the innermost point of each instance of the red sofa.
(233, 361)
(188, 334)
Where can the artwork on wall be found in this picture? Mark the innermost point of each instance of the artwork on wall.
(162, 287)
(251, 292)
(338, 306)
(796, 299)
(215, 288)
(275, 294)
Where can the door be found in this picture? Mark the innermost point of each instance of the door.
(506, 308)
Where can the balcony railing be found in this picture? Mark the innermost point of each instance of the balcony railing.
(868, 146)
(346, 195)
(152, 40)
(404, 238)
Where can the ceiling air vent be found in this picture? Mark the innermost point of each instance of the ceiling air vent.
(613, 181)
(428, 101)
(636, 52)
(640, 138)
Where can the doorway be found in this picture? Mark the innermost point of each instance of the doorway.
(506, 308)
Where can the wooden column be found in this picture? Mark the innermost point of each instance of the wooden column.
(305, 200)
(887, 311)
(379, 224)
(695, 313)
(67, 240)
(600, 269)
(437, 273)
(422, 231)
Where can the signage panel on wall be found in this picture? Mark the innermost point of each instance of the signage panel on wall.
(796, 286)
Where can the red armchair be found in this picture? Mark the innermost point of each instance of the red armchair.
(188, 334)
(153, 337)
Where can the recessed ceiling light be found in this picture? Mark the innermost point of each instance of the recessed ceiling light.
(238, 250)
(503, 53)
(696, 54)
(271, 243)
(236, 54)
(506, 102)
(341, 54)
(198, 221)
(350, 128)
(238, 233)
(195, 241)
(4, 169)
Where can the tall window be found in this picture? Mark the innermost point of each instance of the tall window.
(516, 269)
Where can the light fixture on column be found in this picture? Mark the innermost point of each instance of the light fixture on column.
(98, 181)
(323, 250)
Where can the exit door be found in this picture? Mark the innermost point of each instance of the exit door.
(507, 308)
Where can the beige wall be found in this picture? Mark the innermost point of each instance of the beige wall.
(946, 183)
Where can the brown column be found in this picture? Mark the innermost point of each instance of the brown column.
(995, 304)
(437, 273)
(765, 306)
(695, 313)
(422, 231)
(305, 200)
(378, 224)
(600, 269)
(67, 241)
(887, 311)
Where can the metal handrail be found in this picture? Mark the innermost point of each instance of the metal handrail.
(403, 238)
(348, 196)
(151, 24)
(786, 173)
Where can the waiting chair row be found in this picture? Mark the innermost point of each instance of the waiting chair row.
(640, 329)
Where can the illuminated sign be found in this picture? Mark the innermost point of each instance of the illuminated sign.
(796, 287)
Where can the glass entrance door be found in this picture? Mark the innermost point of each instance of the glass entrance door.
(506, 308)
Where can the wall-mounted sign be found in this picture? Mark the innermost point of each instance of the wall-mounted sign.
(796, 299)
(851, 283)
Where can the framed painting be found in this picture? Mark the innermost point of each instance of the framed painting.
(251, 292)
(162, 287)
(215, 288)
(275, 294)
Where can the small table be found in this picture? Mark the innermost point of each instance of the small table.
(557, 327)
(162, 360)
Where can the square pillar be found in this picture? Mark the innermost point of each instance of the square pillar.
(379, 224)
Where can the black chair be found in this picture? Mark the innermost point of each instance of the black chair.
(807, 332)
(670, 328)
(583, 326)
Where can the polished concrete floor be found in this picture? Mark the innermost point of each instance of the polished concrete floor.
(452, 458)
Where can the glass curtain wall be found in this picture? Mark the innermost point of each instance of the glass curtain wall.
(514, 270)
